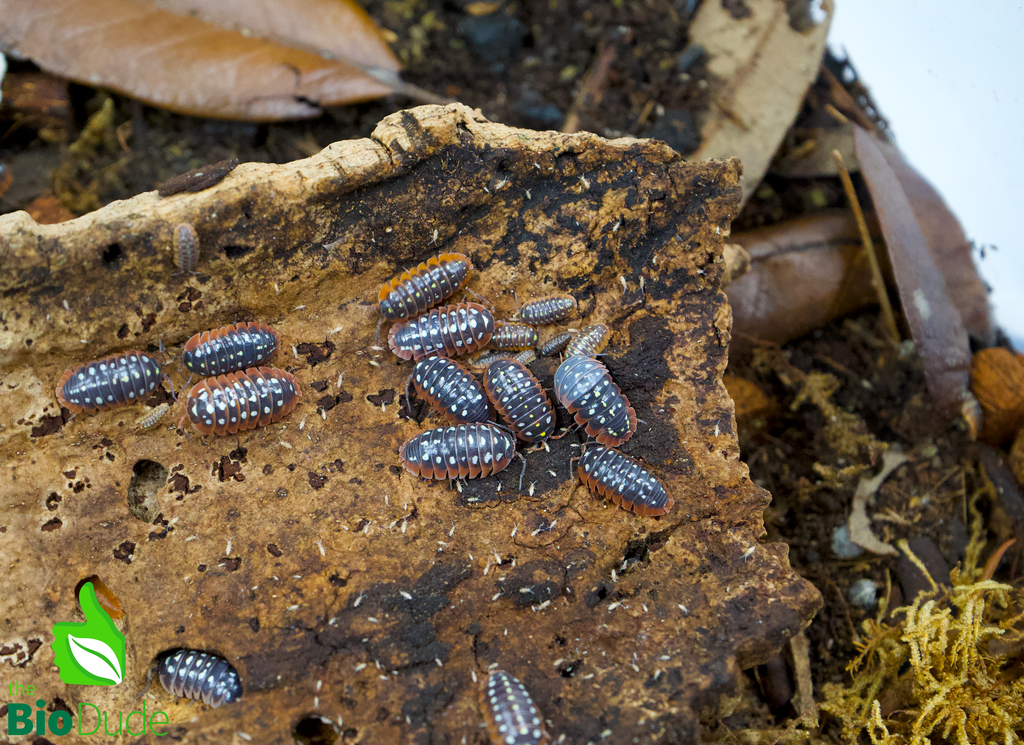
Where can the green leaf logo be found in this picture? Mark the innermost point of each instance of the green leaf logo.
(90, 653)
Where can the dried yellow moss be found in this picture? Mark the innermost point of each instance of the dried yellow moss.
(962, 646)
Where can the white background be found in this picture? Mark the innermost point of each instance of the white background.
(949, 77)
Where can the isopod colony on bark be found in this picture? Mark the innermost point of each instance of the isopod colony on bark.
(238, 392)
(583, 385)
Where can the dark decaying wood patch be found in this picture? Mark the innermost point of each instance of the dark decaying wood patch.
(376, 593)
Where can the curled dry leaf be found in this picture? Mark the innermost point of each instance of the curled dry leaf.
(948, 245)
(935, 323)
(255, 61)
(859, 523)
(762, 67)
(803, 273)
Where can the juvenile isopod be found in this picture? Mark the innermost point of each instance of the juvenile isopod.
(513, 336)
(150, 418)
(447, 332)
(511, 716)
(585, 387)
(622, 479)
(229, 348)
(186, 247)
(459, 452)
(589, 341)
(112, 381)
(450, 388)
(546, 310)
(420, 289)
(520, 399)
(556, 343)
(200, 675)
(242, 400)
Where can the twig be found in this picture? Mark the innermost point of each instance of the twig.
(591, 89)
(869, 249)
(994, 559)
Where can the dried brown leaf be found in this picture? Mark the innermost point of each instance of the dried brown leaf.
(934, 321)
(948, 245)
(217, 63)
(762, 68)
(803, 273)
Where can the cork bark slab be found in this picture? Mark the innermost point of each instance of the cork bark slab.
(338, 585)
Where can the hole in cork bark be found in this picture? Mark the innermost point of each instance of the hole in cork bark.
(148, 477)
(314, 730)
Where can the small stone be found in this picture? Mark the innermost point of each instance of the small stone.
(842, 546)
(864, 594)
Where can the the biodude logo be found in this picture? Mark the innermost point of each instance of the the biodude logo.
(91, 654)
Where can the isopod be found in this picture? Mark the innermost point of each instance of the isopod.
(520, 399)
(510, 714)
(420, 289)
(242, 400)
(548, 309)
(589, 341)
(451, 389)
(585, 387)
(459, 452)
(200, 675)
(229, 348)
(622, 479)
(556, 343)
(186, 247)
(447, 332)
(526, 356)
(513, 336)
(149, 419)
(112, 381)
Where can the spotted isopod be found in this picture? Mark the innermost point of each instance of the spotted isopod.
(112, 381)
(459, 452)
(556, 343)
(417, 290)
(186, 247)
(242, 400)
(547, 309)
(513, 336)
(585, 387)
(451, 389)
(622, 479)
(510, 714)
(520, 399)
(447, 331)
(229, 348)
(200, 675)
(589, 341)
(150, 418)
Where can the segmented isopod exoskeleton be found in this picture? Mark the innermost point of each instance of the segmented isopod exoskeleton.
(186, 247)
(447, 332)
(547, 309)
(112, 381)
(520, 399)
(451, 389)
(230, 348)
(513, 336)
(242, 400)
(526, 356)
(510, 714)
(459, 452)
(589, 341)
(622, 479)
(585, 387)
(200, 675)
(420, 289)
(556, 343)
(150, 418)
